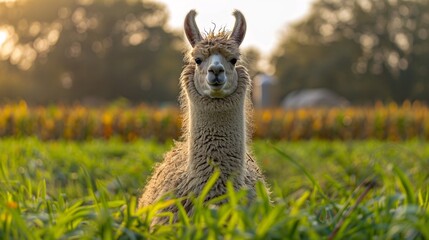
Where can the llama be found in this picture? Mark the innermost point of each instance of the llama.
(216, 106)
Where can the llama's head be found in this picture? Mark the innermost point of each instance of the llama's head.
(215, 57)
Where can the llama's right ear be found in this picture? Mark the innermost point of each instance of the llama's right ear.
(191, 28)
(239, 30)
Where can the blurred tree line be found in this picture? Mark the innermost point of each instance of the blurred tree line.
(365, 50)
(88, 50)
(92, 50)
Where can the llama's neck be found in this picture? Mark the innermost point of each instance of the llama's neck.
(217, 139)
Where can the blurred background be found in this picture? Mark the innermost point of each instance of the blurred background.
(320, 52)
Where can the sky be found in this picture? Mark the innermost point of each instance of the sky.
(266, 19)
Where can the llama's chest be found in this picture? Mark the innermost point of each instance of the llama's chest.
(214, 152)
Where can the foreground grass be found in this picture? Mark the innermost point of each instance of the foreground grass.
(331, 190)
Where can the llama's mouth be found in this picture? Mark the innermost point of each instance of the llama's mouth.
(219, 90)
(214, 89)
(215, 82)
(216, 86)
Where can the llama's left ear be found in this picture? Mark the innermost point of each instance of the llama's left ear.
(239, 30)
(191, 29)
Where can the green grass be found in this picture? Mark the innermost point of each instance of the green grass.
(328, 190)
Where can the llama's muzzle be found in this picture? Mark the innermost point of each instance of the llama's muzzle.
(216, 77)
(216, 82)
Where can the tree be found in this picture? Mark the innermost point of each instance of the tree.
(364, 50)
(252, 58)
(104, 49)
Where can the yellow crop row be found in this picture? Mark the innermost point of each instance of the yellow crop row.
(386, 122)
(391, 122)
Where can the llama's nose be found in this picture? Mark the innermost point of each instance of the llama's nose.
(216, 69)
(215, 77)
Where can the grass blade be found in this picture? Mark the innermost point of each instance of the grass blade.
(406, 185)
(303, 170)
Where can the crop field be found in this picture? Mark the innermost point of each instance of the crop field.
(383, 122)
(61, 189)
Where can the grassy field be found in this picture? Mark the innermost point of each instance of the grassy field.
(320, 189)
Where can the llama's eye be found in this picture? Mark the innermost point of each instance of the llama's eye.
(198, 61)
(233, 61)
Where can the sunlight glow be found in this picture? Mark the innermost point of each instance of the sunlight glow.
(8, 2)
(3, 37)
